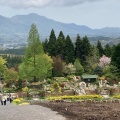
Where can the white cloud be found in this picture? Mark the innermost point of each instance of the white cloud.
(41, 3)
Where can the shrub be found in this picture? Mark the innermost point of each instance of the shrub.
(76, 97)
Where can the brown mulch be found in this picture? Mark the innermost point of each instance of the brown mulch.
(86, 110)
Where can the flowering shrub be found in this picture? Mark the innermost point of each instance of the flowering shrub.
(76, 97)
(56, 88)
(24, 103)
(104, 61)
(19, 101)
(25, 89)
(116, 96)
(16, 101)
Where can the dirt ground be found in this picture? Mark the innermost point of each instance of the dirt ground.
(86, 110)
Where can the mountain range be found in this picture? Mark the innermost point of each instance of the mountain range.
(17, 28)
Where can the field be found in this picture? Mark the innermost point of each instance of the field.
(86, 110)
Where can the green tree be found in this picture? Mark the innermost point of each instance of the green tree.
(36, 65)
(52, 44)
(69, 69)
(34, 45)
(10, 75)
(116, 56)
(85, 50)
(92, 60)
(98, 71)
(42, 70)
(115, 60)
(45, 46)
(100, 48)
(78, 44)
(60, 45)
(79, 67)
(108, 50)
(69, 51)
(2, 66)
(13, 60)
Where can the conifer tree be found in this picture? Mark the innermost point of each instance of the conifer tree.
(52, 44)
(108, 50)
(34, 45)
(45, 45)
(60, 45)
(78, 43)
(116, 56)
(100, 48)
(85, 50)
(36, 65)
(69, 50)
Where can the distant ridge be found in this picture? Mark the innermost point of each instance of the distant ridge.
(19, 25)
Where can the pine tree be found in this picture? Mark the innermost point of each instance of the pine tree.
(52, 44)
(60, 45)
(69, 50)
(78, 43)
(85, 50)
(108, 50)
(116, 56)
(45, 46)
(100, 48)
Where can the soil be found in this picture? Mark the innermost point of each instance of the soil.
(86, 110)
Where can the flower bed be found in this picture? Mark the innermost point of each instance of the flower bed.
(19, 101)
(76, 97)
(116, 96)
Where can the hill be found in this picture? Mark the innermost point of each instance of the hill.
(16, 28)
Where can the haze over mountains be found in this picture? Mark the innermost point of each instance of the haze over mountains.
(17, 28)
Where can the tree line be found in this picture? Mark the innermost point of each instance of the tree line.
(59, 56)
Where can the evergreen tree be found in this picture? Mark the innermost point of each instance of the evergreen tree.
(60, 45)
(116, 56)
(13, 60)
(108, 50)
(100, 48)
(52, 44)
(78, 44)
(85, 50)
(45, 46)
(98, 71)
(69, 50)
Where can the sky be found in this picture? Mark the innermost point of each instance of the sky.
(92, 13)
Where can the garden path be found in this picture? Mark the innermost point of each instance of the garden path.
(27, 112)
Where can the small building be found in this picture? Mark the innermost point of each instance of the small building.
(89, 78)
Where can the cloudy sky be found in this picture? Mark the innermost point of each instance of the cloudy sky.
(92, 13)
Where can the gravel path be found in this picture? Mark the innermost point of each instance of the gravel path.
(28, 112)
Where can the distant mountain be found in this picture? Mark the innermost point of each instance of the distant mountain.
(45, 25)
(17, 28)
